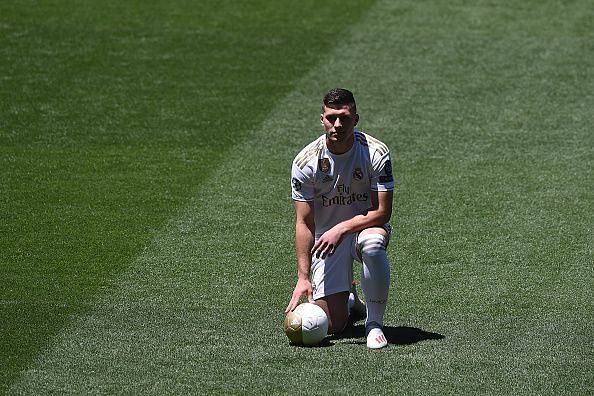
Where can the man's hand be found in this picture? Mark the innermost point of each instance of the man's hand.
(303, 288)
(327, 243)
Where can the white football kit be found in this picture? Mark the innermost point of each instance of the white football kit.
(340, 186)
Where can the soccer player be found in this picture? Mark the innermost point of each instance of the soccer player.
(342, 186)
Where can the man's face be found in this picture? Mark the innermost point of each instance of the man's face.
(339, 124)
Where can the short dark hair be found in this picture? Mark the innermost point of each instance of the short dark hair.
(338, 97)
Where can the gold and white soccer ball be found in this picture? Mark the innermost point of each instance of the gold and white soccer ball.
(306, 325)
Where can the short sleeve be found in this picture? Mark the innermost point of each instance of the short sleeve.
(382, 178)
(302, 186)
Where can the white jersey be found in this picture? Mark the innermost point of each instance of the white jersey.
(340, 184)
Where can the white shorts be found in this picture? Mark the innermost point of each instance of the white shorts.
(334, 274)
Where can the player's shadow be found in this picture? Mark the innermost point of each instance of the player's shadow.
(401, 335)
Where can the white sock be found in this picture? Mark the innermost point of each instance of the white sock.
(375, 276)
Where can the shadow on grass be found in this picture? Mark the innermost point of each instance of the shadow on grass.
(401, 335)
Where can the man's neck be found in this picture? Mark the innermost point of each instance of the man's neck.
(340, 147)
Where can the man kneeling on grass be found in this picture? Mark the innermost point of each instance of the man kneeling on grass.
(342, 187)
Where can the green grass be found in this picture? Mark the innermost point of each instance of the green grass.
(112, 116)
(146, 234)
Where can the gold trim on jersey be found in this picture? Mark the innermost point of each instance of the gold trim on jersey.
(371, 142)
(309, 153)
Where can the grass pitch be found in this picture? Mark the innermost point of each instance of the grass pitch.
(146, 234)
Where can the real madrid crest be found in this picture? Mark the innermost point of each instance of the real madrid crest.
(357, 174)
(324, 165)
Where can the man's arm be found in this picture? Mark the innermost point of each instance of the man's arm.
(304, 240)
(377, 216)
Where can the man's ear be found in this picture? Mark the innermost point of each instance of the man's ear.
(356, 119)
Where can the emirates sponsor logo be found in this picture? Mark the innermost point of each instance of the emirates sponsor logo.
(344, 197)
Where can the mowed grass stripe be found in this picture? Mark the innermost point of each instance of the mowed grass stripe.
(492, 248)
(201, 306)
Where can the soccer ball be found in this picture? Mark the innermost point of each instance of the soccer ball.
(306, 325)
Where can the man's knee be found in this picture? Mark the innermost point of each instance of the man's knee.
(372, 243)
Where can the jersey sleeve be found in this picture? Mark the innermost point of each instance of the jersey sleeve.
(382, 178)
(302, 185)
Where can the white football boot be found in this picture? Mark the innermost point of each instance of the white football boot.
(375, 337)
(357, 308)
